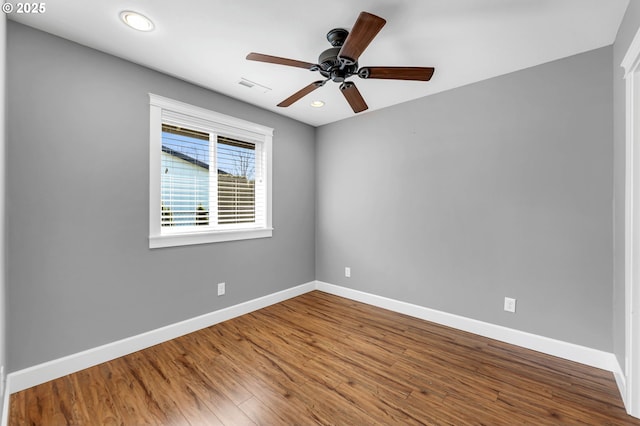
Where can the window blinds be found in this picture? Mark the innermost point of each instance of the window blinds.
(210, 180)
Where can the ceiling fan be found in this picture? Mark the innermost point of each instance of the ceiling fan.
(340, 62)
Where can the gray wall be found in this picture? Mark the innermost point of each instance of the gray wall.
(627, 31)
(500, 188)
(80, 273)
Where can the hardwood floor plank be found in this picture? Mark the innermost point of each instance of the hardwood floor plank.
(378, 401)
(95, 398)
(201, 389)
(227, 378)
(330, 406)
(322, 359)
(324, 372)
(134, 401)
(194, 408)
(177, 407)
(260, 413)
(18, 409)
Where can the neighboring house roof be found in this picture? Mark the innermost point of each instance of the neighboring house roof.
(185, 157)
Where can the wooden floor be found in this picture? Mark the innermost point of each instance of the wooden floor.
(321, 359)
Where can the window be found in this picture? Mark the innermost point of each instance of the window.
(210, 176)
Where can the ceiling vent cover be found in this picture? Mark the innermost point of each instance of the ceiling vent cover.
(253, 85)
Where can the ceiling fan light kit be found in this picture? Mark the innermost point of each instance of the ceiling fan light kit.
(340, 62)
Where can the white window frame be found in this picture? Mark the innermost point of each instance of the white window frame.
(192, 116)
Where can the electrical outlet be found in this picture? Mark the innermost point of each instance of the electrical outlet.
(347, 272)
(509, 304)
(221, 289)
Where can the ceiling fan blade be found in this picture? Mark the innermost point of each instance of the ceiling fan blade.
(367, 26)
(301, 93)
(353, 96)
(397, 73)
(278, 60)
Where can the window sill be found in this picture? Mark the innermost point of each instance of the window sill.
(185, 239)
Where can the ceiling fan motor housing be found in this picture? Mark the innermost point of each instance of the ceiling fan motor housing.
(331, 67)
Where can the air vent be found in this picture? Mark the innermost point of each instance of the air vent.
(253, 85)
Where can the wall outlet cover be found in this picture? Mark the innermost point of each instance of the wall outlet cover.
(509, 304)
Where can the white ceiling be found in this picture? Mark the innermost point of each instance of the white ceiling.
(206, 41)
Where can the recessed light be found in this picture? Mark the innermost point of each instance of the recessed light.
(136, 21)
(317, 104)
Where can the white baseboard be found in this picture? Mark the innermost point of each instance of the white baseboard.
(621, 382)
(41, 373)
(4, 420)
(592, 357)
(50, 370)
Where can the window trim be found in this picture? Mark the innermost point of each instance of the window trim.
(225, 123)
